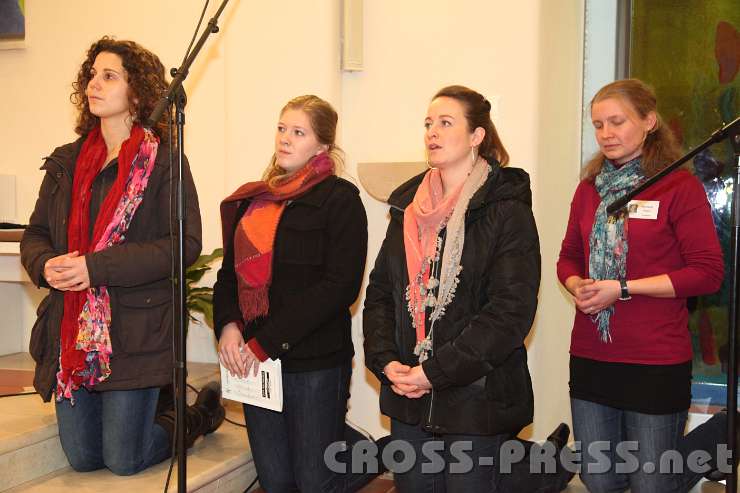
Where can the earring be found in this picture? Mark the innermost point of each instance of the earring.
(472, 155)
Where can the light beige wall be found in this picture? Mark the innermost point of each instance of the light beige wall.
(242, 77)
(558, 166)
(524, 55)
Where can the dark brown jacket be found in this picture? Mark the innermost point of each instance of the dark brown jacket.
(137, 273)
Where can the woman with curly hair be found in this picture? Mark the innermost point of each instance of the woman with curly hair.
(100, 238)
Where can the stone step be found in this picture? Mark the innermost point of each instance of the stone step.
(32, 460)
(218, 463)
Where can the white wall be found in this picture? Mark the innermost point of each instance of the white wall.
(526, 55)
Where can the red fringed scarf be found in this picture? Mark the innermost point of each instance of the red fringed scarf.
(254, 237)
(85, 343)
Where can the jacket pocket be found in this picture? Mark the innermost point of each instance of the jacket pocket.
(302, 241)
(143, 321)
(40, 331)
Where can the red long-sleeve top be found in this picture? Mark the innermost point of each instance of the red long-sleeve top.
(681, 242)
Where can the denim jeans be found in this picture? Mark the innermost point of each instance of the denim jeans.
(478, 474)
(653, 434)
(288, 447)
(113, 429)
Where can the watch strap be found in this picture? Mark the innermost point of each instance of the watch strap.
(625, 293)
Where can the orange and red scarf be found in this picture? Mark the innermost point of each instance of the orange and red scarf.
(254, 237)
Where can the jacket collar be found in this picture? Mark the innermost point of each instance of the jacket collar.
(318, 194)
(64, 157)
(501, 184)
(404, 195)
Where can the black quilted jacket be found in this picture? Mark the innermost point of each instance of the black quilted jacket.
(478, 370)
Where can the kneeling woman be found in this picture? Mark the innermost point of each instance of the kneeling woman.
(451, 299)
(294, 254)
(100, 237)
(630, 275)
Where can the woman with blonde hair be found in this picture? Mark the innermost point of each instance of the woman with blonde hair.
(295, 246)
(630, 275)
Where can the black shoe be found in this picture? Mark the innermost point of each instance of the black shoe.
(559, 437)
(166, 400)
(208, 404)
(715, 474)
(202, 418)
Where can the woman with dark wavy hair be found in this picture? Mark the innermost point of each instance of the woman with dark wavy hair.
(100, 238)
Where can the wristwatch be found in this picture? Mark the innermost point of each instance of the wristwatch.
(625, 294)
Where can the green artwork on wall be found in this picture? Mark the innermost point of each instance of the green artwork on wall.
(689, 51)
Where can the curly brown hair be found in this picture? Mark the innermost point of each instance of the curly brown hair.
(144, 75)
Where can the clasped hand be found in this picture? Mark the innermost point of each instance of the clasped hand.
(67, 272)
(592, 296)
(234, 355)
(407, 381)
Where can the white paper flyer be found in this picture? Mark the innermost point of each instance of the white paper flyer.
(264, 390)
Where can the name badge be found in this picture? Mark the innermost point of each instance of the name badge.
(643, 209)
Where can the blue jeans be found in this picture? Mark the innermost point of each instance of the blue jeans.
(653, 434)
(288, 447)
(473, 477)
(113, 429)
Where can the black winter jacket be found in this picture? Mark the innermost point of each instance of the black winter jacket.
(317, 267)
(137, 273)
(478, 368)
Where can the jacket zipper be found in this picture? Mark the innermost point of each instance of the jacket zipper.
(431, 404)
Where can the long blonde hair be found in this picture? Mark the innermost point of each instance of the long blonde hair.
(323, 120)
(660, 147)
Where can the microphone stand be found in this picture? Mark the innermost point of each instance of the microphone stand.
(175, 94)
(731, 131)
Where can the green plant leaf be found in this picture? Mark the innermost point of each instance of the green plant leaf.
(195, 275)
(200, 299)
(199, 291)
(205, 307)
(204, 260)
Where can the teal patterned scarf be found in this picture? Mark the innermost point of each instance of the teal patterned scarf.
(608, 241)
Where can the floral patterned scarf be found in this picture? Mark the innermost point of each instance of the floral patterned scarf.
(608, 241)
(85, 347)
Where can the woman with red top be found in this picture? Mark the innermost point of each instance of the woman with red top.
(630, 275)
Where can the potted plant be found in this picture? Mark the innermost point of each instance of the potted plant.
(200, 299)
